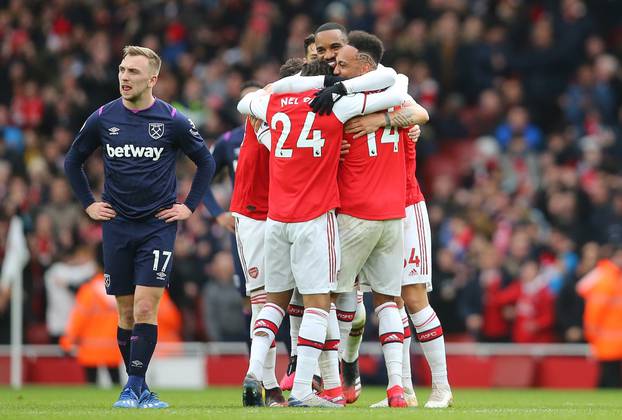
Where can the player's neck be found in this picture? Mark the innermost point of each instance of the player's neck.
(139, 104)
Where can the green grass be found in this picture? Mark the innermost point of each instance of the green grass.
(225, 403)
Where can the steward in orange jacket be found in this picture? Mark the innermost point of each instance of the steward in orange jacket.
(602, 290)
(92, 326)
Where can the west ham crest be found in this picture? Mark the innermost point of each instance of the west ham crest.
(156, 130)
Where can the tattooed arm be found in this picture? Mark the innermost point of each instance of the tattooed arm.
(409, 114)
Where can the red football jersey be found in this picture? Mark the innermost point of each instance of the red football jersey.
(372, 178)
(250, 190)
(413, 192)
(303, 160)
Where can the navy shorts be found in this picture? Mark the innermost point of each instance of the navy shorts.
(137, 252)
(238, 276)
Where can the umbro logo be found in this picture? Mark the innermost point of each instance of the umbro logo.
(137, 363)
(114, 131)
(161, 275)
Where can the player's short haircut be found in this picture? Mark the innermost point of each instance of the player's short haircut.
(310, 39)
(291, 67)
(367, 44)
(155, 62)
(329, 26)
(316, 68)
(250, 84)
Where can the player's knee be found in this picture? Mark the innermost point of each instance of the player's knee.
(144, 311)
(416, 297)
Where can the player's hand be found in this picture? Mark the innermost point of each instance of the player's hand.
(255, 122)
(414, 133)
(101, 211)
(175, 213)
(227, 221)
(345, 149)
(324, 100)
(363, 125)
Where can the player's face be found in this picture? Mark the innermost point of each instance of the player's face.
(328, 43)
(311, 54)
(136, 78)
(347, 63)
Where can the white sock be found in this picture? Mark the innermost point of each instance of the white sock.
(329, 359)
(267, 325)
(353, 340)
(391, 334)
(310, 344)
(258, 299)
(269, 376)
(346, 309)
(295, 318)
(407, 381)
(430, 336)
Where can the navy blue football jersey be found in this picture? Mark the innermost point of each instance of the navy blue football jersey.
(139, 151)
(226, 152)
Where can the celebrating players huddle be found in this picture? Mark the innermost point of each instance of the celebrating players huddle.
(335, 228)
(325, 206)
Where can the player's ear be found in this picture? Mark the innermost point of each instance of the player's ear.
(153, 80)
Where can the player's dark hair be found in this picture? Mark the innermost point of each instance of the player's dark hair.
(250, 84)
(316, 68)
(367, 44)
(310, 39)
(291, 67)
(329, 26)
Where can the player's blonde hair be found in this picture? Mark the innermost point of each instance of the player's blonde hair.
(155, 62)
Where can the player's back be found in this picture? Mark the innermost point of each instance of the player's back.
(372, 178)
(304, 158)
(250, 191)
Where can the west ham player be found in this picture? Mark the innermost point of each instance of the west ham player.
(140, 137)
(301, 222)
(417, 273)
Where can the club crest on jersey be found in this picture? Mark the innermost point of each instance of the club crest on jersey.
(253, 272)
(156, 130)
(107, 280)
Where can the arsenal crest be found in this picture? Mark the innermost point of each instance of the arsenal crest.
(156, 130)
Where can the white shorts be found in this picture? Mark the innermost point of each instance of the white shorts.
(373, 251)
(417, 246)
(305, 255)
(249, 236)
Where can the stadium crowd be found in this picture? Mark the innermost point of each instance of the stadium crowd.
(520, 162)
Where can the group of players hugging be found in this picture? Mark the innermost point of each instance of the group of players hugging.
(325, 207)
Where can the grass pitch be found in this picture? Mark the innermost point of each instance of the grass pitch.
(225, 403)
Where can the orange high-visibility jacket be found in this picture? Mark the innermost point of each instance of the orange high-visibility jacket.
(602, 290)
(92, 326)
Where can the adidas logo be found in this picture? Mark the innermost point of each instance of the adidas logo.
(391, 338)
(413, 272)
(114, 131)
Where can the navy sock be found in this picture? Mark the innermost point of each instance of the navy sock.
(123, 340)
(144, 339)
(135, 383)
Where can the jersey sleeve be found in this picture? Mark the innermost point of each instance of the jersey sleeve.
(85, 143)
(219, 153)
(187, 136)
(366, 103)
(297, 83)
(378, 79)
(255, 104)
(264, 136)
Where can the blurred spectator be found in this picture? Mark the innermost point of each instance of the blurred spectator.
(222, 313)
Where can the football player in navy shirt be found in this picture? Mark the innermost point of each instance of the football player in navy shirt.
(140, 137)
